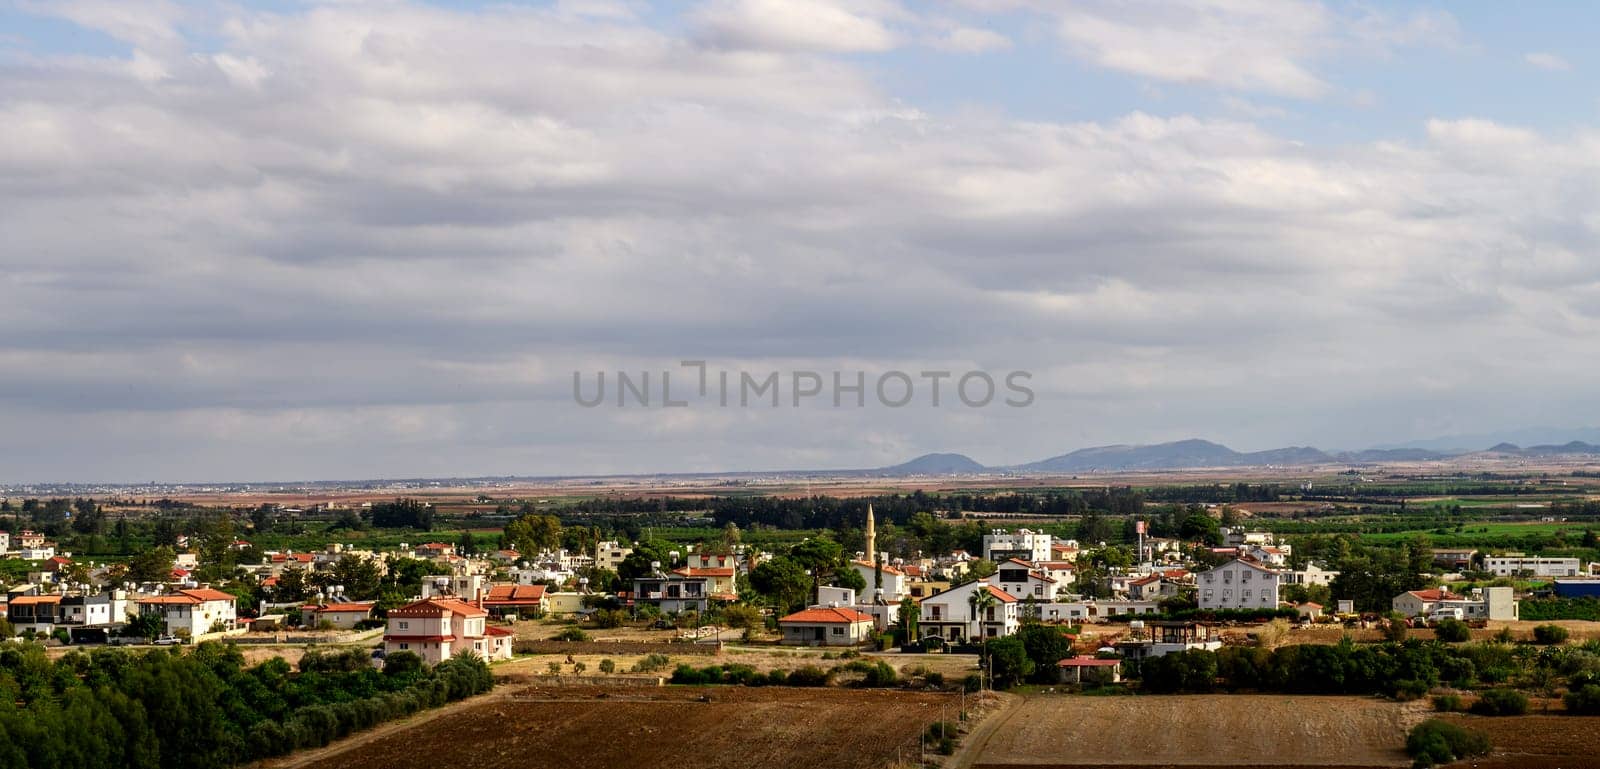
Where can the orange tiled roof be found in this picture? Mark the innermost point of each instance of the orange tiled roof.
(827, 615)
(431, 607)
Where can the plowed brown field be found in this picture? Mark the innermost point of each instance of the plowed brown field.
(626, 729)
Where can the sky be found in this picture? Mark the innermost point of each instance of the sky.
(294, 240)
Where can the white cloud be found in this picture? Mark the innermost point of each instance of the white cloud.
(799, 25)
(959, 39)
(1547, 61)
(1249, 45)
(375, 239)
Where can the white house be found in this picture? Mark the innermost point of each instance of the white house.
(954, 616)
(436, 628)
(5, 541)
(1312, 574)
(1076, 612)
(1239, 584)
(1514, 564)
(1494, 603)
(1030, 546)
(1020, 579)
(893, 580)
(826, 626)
(343, 616)
(192, 612)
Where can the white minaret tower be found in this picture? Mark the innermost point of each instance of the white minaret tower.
(872, 537)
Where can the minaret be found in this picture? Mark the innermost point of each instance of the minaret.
(872, 537)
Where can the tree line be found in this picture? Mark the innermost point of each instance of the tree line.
(159, 709)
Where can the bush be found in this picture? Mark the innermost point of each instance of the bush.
(1584, 700)
(741, 617)
(941, 729)
(1501, 702)
(608, 666)
(1440, 742)
(1452, 631)
(652, 663)
(810, 675)
(609, 618)
(1549, 634)
(572, 634)
(973, 682)
(1447, 703)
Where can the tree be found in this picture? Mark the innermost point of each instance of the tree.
(782, 581)
(820, 556)
(910, 615)
(981, 600)
(153, 565)
(1046, 645)
(1008, 661)
(466, 544)
(403, 514)
(1200, 527)
(532, 534)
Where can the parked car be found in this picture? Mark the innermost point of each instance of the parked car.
(168, 640)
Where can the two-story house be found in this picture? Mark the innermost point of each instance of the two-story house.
(1022, 580)
(1239, 584)
(954, 615)
(435, 629)
(192, 612)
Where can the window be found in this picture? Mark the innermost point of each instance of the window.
(1246, 595)
(838, 631)
(405, 647)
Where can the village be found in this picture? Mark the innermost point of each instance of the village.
(951, 601)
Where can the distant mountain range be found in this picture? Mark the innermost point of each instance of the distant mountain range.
(1196, 453)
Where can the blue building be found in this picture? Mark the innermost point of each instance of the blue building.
(1578, 588)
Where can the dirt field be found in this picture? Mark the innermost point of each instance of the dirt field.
(1536, 742)
(604, 728)
(1201, 731)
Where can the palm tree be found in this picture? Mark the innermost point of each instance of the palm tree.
(980, 600)
(910, 613)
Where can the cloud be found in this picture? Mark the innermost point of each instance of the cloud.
(799, 25)
(376, 239)
(959, 39)
(1547, 61)
(1249, 45)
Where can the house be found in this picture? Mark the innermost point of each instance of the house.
(5, 542)
(1146, 588)
(1076, 612)
(719, 580)
(1270, 555)
(1158, 639)
(1312, 574)
(674, 592)
(610, 554)
(190, 613)
(1089, 670)
(435, 629)
(40, 552)
(1239, 584)
(38, 613)
(518, 600)
(343, 616)
(505, 557)
(1457, 559)
(434, 550)
(1031, 546)
(1492, 603)
(826, 626)
(1517, 564)
(1021, 579)
(94, 610)
(27, 539)
(893, 579)
(1236, 536)
(954, 615)
(1310, 612)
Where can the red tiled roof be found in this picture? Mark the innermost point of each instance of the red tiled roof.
(1142, 581)
(33, 600)
(887, 569)
(827, 615)
(432, 607)
(1434, 594)
(515, 595)
(500, 632)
